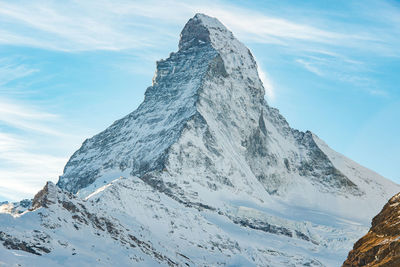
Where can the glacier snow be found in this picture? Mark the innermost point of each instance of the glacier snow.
(203, 173)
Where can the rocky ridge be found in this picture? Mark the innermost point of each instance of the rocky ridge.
(204, 172)
(381, 245)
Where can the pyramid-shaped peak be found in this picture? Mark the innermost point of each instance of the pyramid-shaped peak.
(201, 29)
(208, 22)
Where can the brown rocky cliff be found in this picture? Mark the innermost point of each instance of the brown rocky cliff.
(381, 245)
(45, 197)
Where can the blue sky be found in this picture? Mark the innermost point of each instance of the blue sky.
(68, 69)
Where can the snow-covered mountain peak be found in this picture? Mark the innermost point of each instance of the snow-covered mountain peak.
(139, 143)
(205, 116)
(203, 173)
(202, 29)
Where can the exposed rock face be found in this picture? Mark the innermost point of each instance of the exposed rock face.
(207, 101)
(381, 245)
(203, 173)
(46, 196)
(58, 212)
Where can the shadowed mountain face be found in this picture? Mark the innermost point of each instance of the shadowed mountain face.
(203, 173)
(381, 245)
(211, 84)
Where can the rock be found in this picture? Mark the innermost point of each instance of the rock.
(203, 173)
(381, 245)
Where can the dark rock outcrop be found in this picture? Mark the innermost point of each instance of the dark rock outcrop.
(381, 245)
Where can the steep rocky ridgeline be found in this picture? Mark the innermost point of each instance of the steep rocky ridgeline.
(203, 173)
(381, 245)
(209, 92)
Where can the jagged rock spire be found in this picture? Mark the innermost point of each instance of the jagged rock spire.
(194, 33)
(197, 31)
(200, 170)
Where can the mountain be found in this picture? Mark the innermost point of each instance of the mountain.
(203, 173)
(381, 245)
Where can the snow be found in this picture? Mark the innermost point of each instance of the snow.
(204, 172)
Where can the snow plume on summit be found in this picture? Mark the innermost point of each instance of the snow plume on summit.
(204, 172)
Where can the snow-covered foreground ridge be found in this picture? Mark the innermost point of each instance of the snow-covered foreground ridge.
(203, 173)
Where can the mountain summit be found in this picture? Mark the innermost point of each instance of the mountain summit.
(139, 143)
(204, 172)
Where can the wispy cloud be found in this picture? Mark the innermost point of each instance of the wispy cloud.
(115, 25)
(11, 70)
(23, 173)
(142, 26)
(24, 117)
(321, 46)
(337, 67)
(262, 28)
(19, 114)
(70, 26)
(24, 165)
(310, 67)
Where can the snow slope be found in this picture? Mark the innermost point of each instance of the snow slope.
(203, 173)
